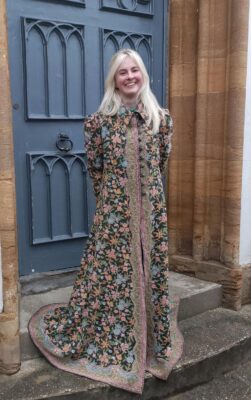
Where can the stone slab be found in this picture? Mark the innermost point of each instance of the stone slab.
(234, 385)
(215, 342)
(196, 295)
(187, 288)
(47, 281)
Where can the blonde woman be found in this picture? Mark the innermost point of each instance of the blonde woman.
(119, 322)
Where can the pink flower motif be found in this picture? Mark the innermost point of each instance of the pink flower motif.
(168, 351)
(163, 218)
(122, 181)
(107, 208)
(154, 191)
(163, 246)
(111, 254)
(124, 346)
(66, 347)
(116, 139)
(115, 295)
(160, 326)
(93, 277)
(111, 319)
(104, 358)
(90, 257)
(164, 301)
(60, 328)
(98, 140)
(57, 350)
(96, 305)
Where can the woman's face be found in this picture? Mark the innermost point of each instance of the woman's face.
(128, 80)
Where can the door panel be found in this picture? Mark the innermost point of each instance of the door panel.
(133, 7)
(115, 40)
(58, 190)
(53, 69)
(59, 54)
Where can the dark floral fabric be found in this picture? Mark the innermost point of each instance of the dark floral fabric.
(117, 322)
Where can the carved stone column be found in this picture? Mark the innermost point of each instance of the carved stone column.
(9, 318)
(208, 58)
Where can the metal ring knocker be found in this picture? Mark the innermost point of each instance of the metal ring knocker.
(64, 143)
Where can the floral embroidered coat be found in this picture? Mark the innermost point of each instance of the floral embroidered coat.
(118, 323)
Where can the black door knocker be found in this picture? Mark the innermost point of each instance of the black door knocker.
(64, 143)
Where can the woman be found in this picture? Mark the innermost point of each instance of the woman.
(118, 324)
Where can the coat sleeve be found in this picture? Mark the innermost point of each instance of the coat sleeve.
(94, 149)
(165, 137)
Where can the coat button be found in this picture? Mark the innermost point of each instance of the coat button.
(143, 194)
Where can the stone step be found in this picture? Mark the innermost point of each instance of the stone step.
(216, 341)
(196, 296)
(233, 385)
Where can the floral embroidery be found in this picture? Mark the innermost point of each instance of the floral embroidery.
(99, 323)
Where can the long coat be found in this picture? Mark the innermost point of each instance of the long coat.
(118, 322)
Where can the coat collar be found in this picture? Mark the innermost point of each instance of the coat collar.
(139, 109)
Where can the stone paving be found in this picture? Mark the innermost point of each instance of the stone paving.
(235, 385)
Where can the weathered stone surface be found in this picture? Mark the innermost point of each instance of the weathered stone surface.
(46, 281)
(9, 345)
(246, 289)
(9, 323)
(235, 385)
(215, 342)
(230, 278)
(7, 221)
(205, 168)
(183, 31)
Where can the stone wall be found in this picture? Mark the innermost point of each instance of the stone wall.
(208, 60)
(9, 317)
(245, 240)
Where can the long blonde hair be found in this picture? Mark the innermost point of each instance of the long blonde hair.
(112, 100)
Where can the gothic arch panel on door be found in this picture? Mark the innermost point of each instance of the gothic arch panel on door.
(54, 66)
(133, 7)
(57, 213)
(112, 41)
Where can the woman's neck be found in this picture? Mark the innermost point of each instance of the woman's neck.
(130, 103)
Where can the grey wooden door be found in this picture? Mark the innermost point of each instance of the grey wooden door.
(59, 52)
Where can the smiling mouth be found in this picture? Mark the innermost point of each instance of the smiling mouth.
(131, 84)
